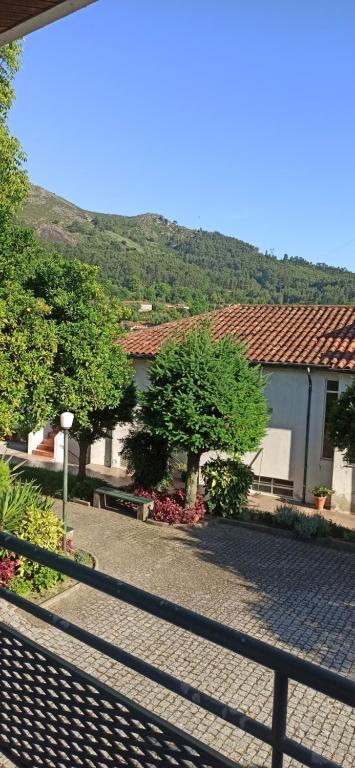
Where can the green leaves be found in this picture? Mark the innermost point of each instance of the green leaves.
(92, 375)
(342, 425)
(14, 184)
(205, 396)
(27, 349)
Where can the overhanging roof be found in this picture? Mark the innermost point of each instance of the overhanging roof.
(274, 334)
(20, 17)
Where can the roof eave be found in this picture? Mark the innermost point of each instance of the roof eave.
(273, 364)
(43, 19)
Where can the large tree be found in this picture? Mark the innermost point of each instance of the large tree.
(14, 184)
(27, 350)
(342, 423)
(93, 376)
(205, 396)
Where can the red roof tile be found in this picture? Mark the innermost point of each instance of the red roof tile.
(291, 334)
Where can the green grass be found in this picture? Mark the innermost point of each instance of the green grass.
(51, 483)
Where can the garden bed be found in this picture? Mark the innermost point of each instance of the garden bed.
(292, 523)
(330, 542)
(58, 590)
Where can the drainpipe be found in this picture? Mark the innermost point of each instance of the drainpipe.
(308, 420)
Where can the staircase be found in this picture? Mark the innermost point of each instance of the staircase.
(46, 448)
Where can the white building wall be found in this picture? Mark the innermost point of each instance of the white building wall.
(283, 448)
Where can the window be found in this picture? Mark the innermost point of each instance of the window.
(331, 398)
(273, 485)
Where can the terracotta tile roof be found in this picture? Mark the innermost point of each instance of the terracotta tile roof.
(289, 334)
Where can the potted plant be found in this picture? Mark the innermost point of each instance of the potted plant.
(320, 493)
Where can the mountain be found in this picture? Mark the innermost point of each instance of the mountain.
(147, 256)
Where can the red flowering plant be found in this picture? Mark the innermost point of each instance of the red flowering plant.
(8, 566)
(170, 509)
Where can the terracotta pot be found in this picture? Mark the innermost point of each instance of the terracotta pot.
(319, 502)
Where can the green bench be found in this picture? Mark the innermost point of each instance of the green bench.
(144, 505)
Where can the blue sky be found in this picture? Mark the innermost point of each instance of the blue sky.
(223, 114)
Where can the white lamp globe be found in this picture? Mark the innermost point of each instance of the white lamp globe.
(66, 419)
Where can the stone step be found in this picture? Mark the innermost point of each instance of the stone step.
(49, 441)
(42, 452)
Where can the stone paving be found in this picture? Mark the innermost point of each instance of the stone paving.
(291, 594)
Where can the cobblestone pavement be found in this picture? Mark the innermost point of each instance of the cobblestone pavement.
(291, 594)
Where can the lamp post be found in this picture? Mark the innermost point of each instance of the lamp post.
(66, 421)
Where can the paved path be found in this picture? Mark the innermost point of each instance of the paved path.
(291, 594)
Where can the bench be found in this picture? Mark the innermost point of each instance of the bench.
(144, 505)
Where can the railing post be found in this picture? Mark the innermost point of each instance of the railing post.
(279, 719)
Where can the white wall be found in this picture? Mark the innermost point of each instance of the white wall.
(283, 447)
(343, 480)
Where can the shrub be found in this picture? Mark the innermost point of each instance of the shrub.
(20, 585)
(5, 475)
(14, 504)
(42, 528)
(228, 482)
(170, 509)
(311, 526)
(8, 568)
(286, 516)
(45, 577)
(147, 457)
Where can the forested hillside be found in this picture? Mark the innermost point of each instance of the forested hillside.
(149, 257)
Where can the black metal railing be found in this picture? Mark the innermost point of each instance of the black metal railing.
(55, 715)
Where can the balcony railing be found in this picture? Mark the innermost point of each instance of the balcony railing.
(55, 715)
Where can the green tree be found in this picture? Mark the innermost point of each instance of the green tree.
(27, 349)
(14, 184)
(205, 396)
(92, 375)
(342, 423)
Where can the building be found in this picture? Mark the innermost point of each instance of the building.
(139, 305)
(308, 356)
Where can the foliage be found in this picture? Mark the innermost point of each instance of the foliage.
(20, 585)
(27, 348)
(84, 558)
(204, 396)
(149, 257)
(342, 423)
(15, 502)
(322, 491)
(8, 566)
(228, 482)
(5, 475)
(286, 516)
(45, 578)
(147, 457)
(14, 185)
(171, 508)
(305, 526)
(41, 527)
(311, 526)
(93, 376)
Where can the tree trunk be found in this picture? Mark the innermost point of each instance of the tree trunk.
(83, 453)
(192, 474)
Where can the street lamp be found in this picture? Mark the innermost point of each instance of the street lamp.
(66, 421)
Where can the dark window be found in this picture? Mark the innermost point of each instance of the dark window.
(331, 399)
